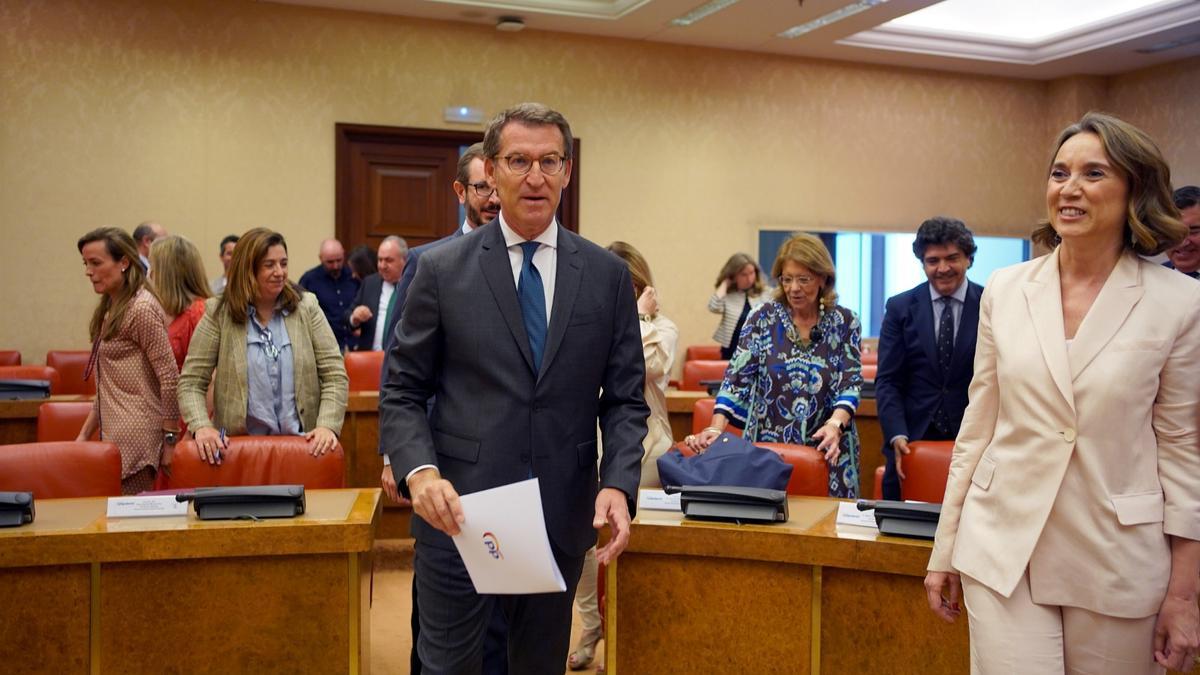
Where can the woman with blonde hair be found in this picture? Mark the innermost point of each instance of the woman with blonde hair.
(739, 290)
(136, 378)
(796, 375)
(1071, 521)
(659, 338)
(179, 283)
(272, 358)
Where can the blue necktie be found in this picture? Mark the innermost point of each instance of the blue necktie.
(532, 297)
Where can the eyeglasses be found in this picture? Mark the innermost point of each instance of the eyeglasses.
(550, 165)
(482, 189)
(796, 281)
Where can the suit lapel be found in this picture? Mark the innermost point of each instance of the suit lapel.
(497, 271)
(923, 310)
(1121, 291)
(1043, 295)
(968, 325)
(568, 275)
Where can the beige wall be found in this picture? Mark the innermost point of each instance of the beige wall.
(1165, 101)
(212, 117)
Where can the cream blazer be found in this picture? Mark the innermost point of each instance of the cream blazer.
(1077, 462)
(218, 351)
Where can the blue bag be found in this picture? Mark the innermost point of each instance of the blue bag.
(730, 460)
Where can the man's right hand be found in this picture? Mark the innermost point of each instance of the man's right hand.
(900, 446)
(360, 315)
(436, 501)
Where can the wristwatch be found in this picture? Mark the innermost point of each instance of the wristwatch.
(170, 437)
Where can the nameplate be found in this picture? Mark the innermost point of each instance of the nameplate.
(657, 500)
(848, 514)
(145, 507)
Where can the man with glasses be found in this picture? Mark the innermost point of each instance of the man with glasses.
(482, 205)
(927, 348)
(527, 334)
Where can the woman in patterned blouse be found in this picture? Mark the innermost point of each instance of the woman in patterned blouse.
(135, 405)
(796, 374)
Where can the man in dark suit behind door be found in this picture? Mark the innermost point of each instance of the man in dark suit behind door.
(927, 347)
(526, 334)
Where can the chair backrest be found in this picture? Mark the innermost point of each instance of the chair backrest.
(703, 353)
(868, 371)
(870, 357)
(258, 460)
(10, 357)
(70, 366)
(810, 474)
(878, 483)
(695, 372)
(926, 468)
(61, 470)
(62, 420)
(364, 369)
(47, 373)
(702, 412)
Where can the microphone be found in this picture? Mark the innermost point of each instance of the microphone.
(865, 504)
(815, 335)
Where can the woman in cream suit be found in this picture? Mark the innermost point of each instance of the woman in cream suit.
(1072, 508)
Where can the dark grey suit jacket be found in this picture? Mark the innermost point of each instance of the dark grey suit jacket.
(495, 421)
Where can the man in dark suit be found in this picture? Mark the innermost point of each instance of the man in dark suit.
(376, 307)
(526, 334)
(927, 347)
(1185, 257)
(476, 194)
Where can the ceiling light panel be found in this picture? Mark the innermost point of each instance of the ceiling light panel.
(1018, 21)
(702, 11)
(832, 17)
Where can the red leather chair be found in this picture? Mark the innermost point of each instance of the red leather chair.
(878, 483)
(61, 470)
(868, 372)
(870, 357)
(33, 373)
(363, 369)
(926, 468)
(695, 372)
(70, 366)
(810, 475)
(62, 420)
(703, 353)
(258, 460)
(10, 357)
(702, 412)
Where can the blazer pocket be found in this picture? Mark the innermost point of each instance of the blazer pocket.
(587, 454)
(579, 317)
(457, 447)
(1137, 345)
(1138, 508)
(982, 477)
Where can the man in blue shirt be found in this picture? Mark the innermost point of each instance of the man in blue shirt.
(334, 287)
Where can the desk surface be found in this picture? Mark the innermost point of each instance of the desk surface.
(811, 536)
(68, 531)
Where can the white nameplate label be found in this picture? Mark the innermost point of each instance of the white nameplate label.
(658, 500)
(142, 507)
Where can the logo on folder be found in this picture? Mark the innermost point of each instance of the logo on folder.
(492, 543)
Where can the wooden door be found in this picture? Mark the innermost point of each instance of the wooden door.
(397, 180)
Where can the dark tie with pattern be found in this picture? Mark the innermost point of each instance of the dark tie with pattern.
(532, 296)
(945, 352)
(945, 337)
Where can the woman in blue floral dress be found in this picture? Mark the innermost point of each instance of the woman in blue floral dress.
(796, 374)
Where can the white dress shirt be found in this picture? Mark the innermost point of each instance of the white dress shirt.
(385, 298)
(958, 299)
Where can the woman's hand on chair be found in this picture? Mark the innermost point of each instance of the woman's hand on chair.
(320, 441)
(829, 442)
(698, 443)
(209, 444)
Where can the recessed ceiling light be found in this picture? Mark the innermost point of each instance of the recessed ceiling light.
(832, 17)
(1019, 21)
(510, 24)
(701, 12)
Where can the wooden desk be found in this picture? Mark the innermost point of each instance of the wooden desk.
(870, 435)
(799, 597)
(18, 419)
(364, 464)
(81, 593)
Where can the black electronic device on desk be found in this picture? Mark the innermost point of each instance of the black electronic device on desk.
(250, 502)
(16, 508)
(731, 502)
(16, 390)
(918, 520)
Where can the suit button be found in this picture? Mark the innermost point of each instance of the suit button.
(1069, 435)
